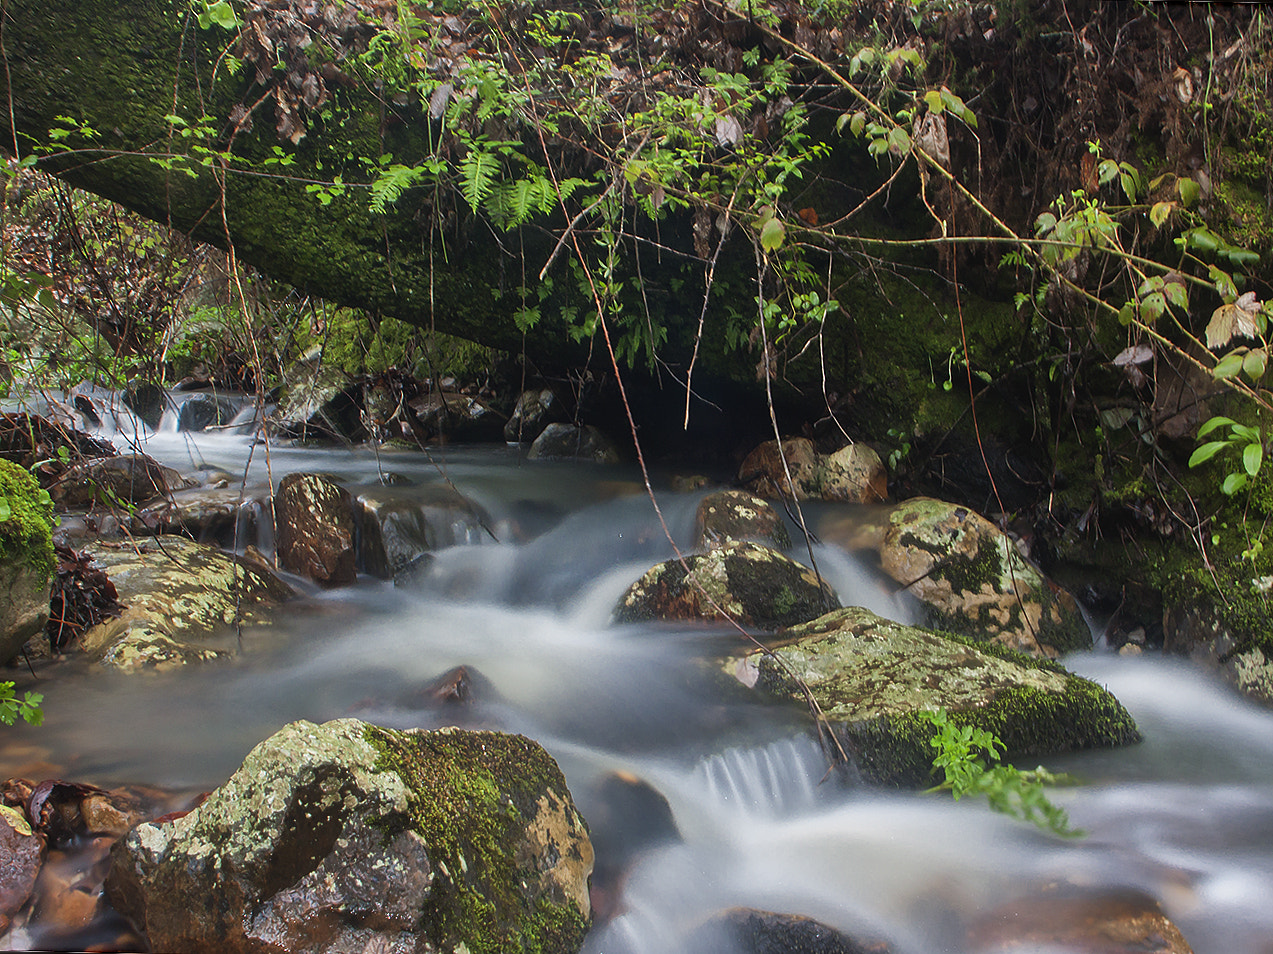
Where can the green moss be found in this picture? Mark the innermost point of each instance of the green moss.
(473, 795)
(26, 531)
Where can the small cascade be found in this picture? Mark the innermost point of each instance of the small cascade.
(778, 779)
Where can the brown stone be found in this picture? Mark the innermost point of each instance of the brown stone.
(21, 848)
(315, 529)
(763, 474)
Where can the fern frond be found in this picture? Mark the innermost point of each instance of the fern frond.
(477, 172)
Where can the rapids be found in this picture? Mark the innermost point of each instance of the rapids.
(1187, 816)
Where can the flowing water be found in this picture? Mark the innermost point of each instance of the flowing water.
(1187, 816)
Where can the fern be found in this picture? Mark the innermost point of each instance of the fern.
(392, 182)
(477, 170)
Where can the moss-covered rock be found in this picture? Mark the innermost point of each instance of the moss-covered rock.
(853, 474)
(346, 837)
(755, 584)
(177, 594)
(871, 677)
(974, 582)
(26, 558)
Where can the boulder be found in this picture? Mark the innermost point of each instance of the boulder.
(853, 474)
(207, 514)
(202, 410)
(1103, 921)
(348, 837)
(147, 401)
(535, 410)
(322, 403)
(870, 676)
(567, 442)
(397, 528)
(314, 529)
(29, 440)
(756, 585)
(26, 558)
(455, 416)
(727, 516)
(974, 582)
(22, 850)
(115, 481)
(177, 595)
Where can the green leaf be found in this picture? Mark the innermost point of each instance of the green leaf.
(1044, 224)
(899, 141)
(1131, 185)
(1160, 212)
(1106, 171)
(1227, 367)
(1252, 457)
(1206, 452)
(1211, 425)
(772, 235)
(1189, 191)
(1234, 482)
(1254, 364)
(934, 101)
(1177, 293)
(1127, 313)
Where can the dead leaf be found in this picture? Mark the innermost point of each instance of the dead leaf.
(1231, 321)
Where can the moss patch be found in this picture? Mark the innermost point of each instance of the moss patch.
(473, 795)
(26, 530)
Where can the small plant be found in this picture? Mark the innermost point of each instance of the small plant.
(963, 754)
(11, 707)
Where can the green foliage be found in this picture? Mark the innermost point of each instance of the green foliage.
(28, 707)
(966, 756)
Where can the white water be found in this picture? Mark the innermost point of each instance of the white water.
(1187, 816)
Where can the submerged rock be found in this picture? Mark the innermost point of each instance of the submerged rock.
(348, 837)
(1102, 921)
(729, 516)
(398, 527)
(749, 931)
(177, 594)
(756, 585)
(975, 583)
(870, 676)
(314, 520)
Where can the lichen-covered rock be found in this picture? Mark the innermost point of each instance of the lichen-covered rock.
(853, 474)
(114, 481)
(535, 410)
(1098, 920)
(1200, 631)
(974, 581)
(457, 417)
(314, 521)
(870, 676)
(347, 837)
(177, 594)
(728, 516)
(755, 584)
(400, 527)
(567, 442)
(26, 558)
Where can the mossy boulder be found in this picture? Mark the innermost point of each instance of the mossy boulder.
(871, 677)
(26, 558)
(728, 516)
(345, 836)
(178, 597)
(974, 582)
(756, 585)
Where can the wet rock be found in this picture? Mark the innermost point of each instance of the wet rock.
(22, 850)
(220, 515)
(177, 594)
(1240, 655)
(455, 416)
(146, 400)
(627, 817)
(26, 559)
(853, 474)
(115, 481)
(1094, 921)
(28, 439)
(314, 520)
(974, 581)
(756, 585)
(201, 411)
(749, 931)
(68, 890)
(323, 403)
(567, 442)
(535, 410)
(870, 675)
(728, 516)
(346, 837)
(399, 527)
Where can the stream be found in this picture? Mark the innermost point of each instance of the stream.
(1187, 816)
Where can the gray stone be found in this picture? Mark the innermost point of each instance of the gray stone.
(399, 527)
(567, 442)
